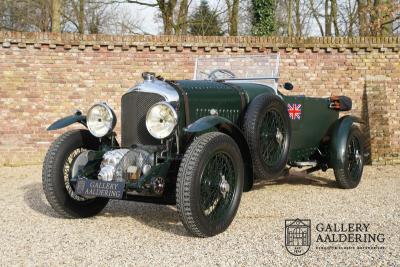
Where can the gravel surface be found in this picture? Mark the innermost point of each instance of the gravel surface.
(129, 233)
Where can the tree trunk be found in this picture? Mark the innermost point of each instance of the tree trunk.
(167, 14)
(298, 22)
(362, 18)
(81, 17)
(328, 21)
(233, 13)
(181, 26)
(334, 17)
(55, 16)
(289, 22)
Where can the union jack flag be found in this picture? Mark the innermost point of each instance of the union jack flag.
(294, 111)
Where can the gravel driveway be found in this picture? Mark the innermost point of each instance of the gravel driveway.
(129, 233)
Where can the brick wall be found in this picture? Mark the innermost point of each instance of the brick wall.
(46, 76)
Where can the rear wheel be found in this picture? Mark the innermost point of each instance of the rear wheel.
(349, 175)
(210, 184)
(267, 131)
(59, 164)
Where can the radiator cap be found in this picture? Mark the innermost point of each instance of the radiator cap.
(148, 76)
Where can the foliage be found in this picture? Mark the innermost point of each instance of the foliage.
(204, 21)
(263, 17)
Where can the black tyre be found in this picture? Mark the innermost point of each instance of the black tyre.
(56, 175)
(267, 131)
(349, 174)
(209, 184)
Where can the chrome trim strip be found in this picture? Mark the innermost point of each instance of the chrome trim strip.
(157, 87)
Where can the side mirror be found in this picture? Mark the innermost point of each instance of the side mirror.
(288, 86)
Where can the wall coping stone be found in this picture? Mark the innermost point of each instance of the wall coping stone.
(68, 40)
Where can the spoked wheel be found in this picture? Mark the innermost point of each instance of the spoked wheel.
(349, 175)
(272, 133)
(216, 181)
(210, 184)
(267, 130)
(61, 164)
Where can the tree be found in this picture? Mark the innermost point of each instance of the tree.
(56, 16)
(33, 15)
(263, 17)
(348, 17)
(377, 17)
(290, 18)
(298, 18)
(204, 21)
(315, 13)
(173, 14)
(232, 8)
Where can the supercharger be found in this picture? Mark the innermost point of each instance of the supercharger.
(121, 165)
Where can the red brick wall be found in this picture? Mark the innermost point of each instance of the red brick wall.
(46, 76)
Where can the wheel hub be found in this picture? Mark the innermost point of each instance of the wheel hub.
(358, 156)
(79, 163)
(279, 136)
(224, 186)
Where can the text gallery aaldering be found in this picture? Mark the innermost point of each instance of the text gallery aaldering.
(353, 235)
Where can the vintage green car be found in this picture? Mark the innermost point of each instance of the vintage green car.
(200, 143)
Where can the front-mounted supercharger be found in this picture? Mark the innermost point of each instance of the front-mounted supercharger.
(200, 143)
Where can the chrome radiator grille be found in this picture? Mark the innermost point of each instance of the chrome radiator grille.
(134, 107)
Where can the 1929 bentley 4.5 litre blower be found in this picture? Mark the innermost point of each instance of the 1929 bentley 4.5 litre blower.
(200, 143)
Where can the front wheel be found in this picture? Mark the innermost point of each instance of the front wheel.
(58, 166)
(209, 184)
(349, 175)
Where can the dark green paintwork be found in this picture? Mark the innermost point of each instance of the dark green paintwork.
(316, 118)
(206, 95)
(253, 89)
(339, 133)
(307, 133)
(66, 121)
(205, 123)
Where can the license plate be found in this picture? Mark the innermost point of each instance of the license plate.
(96, 188)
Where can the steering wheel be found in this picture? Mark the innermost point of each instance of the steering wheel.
(213, 75)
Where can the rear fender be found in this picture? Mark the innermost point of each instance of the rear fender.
(66, 121)
(227, 127)
(337, 146)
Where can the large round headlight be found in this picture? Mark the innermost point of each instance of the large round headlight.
(100, 120)
(161, 120)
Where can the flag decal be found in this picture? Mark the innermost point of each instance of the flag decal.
(294, 111)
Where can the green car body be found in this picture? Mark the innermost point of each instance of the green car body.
(316, 137)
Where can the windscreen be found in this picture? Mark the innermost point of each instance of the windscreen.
(259, 68)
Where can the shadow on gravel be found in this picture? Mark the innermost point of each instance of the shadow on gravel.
(162, 217)
(35, 199)
(294, 179)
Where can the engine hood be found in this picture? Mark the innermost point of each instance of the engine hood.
(204, 97)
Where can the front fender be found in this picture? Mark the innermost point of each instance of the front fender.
(339, 133)
(64, 122)
(227, 127)
(206, 123)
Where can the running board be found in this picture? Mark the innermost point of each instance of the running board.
(301, 164)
